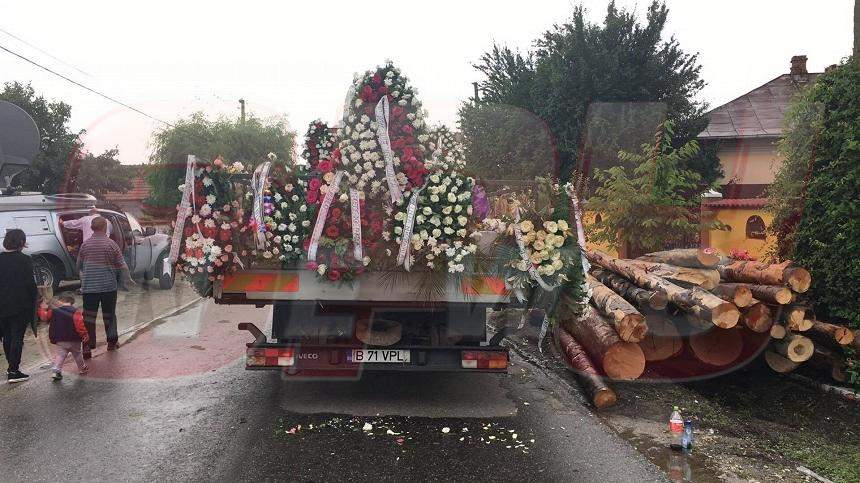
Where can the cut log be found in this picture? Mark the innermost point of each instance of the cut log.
(616, 358)
(779, 363)
(856, 343)
(718, 347)
(829, 362)
(757, 317)
(662, 340)
(705, 278)
(766, 274)
(777, 331)
(714, 309)
(772, 294)
(685, 257)
(628, 322)
(841, 335)
(795, 347)
(641, 297)
(796, 319)
(601, 395)
(736, 293)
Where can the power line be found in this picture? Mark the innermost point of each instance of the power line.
(19, 39)
(114, 100)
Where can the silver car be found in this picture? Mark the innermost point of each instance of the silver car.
(54, 247)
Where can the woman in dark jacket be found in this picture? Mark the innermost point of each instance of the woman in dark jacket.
(19, 293)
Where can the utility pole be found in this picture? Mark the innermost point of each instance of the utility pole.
(475, 86)
(242, 110)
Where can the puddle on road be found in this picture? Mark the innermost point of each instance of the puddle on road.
(679, 466)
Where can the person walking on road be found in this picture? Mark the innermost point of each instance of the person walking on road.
(18, 309)
(99, 262)
(67, 332)
(84, 224)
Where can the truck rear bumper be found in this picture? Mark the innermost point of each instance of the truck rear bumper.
(337, 360)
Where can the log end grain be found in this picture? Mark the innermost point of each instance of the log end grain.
(777, 331)
(725, 315)
(624, 361)
(604, 398)
(718, 347)
(779, 363)
(798, 279)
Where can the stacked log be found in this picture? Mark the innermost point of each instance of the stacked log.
(601, 394)
(693, 308)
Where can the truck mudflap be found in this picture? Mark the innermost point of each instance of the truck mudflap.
(349, 361)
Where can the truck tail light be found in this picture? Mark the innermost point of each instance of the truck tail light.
(484, 360)
(270, 357)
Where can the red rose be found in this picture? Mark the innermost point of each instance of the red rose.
(366, 92)
(397, 111)
(325, 165)
(335, 213)
(335, 156)
(313, 197)
(398, 144)
(189, 230)
(332, 231)
(382, 90)
(376, 225)
(368, 110)
(376, 79)
(407, 129)
(311, 265)
(333, 275)
(224, 235)
(306, 244)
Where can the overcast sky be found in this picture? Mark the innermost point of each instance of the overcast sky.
(296, 59)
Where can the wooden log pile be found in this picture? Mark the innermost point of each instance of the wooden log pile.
(689, 313)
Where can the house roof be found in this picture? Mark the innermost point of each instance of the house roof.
(139, 191)
(758, 113)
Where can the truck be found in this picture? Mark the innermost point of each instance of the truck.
(380, 322)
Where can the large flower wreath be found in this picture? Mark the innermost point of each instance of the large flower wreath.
(215, 233)
(288, 217)
(383, 123)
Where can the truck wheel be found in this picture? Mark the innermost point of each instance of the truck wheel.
(165, 280)
(46, 273)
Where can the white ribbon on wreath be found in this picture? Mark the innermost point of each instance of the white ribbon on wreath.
(382, 118)
(322, 215)
(259, 183)
(403, 255)
(187, 206)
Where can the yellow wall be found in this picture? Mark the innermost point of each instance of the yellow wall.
(736, 238)
(749, 161)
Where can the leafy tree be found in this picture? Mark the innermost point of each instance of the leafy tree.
(99, 174)
(654, 205)
(249, 143)
(828, 235)
(802, 125)
(60, 147)
(598, 89)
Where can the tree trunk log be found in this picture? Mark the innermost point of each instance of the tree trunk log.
(662, 340)
(764, 274)
(601, 395)
(617, 359)
(829, 362)
(772, 294)
(779, 363)
(795, 347)
(628, 322)
(796, 319)
(643, 298)
(685, 257)
(714, 309)
(736, 293)
(757, 317)
(777, 331)
(718, 347)
(841, 335)
(701, 277)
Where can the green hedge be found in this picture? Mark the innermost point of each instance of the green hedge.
(828, 236)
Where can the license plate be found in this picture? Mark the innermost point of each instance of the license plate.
(380, 355)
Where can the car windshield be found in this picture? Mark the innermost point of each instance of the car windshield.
(448, 240)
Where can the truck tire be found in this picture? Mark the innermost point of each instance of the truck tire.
(46, 273)
(165, 280)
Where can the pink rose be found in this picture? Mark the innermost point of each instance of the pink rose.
(311, 265)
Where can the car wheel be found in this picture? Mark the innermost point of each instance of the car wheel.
(46, 273)
(165, 280)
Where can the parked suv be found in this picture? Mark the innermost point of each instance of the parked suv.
(54, 248)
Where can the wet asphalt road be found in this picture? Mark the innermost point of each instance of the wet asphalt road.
(131, 420)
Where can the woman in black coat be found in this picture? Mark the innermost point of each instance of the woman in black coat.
(19, 293)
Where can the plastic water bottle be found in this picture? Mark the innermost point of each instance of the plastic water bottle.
(687, 439)
(676, 429)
